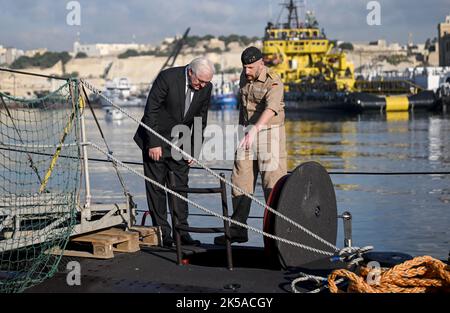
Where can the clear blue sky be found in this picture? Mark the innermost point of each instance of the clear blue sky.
(28, 24)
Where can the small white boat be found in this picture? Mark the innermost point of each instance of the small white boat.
(121, 93)
(429, 78)
(113, 114)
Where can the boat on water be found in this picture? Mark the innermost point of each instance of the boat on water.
(436, 79)
(224, 102)
(121, 92)
(113, 114)
(361, 101)
(224, 95)
(318, 76)
(429, 78)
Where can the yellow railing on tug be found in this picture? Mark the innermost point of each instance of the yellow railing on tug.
(297, 54)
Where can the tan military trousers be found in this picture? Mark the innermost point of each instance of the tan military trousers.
(267, 156)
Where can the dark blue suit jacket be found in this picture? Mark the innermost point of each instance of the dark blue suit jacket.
(165, 109)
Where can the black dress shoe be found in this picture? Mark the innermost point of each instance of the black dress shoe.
(221, 241)
(168, 242)
(187, 240)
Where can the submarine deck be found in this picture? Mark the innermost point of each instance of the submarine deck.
(155, 270)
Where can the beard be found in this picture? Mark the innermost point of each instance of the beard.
(253, 77)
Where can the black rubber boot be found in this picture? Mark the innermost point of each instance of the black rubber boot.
(241, 210)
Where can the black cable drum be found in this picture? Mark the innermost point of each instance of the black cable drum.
(307, 197)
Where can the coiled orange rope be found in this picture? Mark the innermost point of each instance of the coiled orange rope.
(419, 275)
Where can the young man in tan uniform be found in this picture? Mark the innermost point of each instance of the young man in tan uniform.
(263, 148)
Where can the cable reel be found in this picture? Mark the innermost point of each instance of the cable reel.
(306, 196)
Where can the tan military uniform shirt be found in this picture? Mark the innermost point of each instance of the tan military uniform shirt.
(266, 92)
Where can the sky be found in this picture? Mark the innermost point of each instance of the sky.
(30, 24)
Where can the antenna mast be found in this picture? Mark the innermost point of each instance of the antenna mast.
(292, 16)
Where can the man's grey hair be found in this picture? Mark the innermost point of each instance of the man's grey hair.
(202, 65)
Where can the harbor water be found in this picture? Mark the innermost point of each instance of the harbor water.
(405, 213)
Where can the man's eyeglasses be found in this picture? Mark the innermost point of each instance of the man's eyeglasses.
(199, 80)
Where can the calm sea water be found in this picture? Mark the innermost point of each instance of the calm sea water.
(393, 213)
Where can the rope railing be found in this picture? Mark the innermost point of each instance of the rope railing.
(32, 74)
(222, 169)
(203, 215)
(230, 220)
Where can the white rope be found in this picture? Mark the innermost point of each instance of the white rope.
(316, 279)
(350, 255)
(305, 277)
(205, 209)
(33, 146)
(188, 156)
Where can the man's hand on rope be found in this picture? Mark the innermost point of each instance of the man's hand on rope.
(190, 162)
(155, 153)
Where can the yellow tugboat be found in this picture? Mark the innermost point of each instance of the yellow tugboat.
(318, 76)
(303, 57)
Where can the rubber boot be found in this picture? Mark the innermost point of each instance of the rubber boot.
(241, 210)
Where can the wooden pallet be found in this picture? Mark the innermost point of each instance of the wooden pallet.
(128, 241)
(148, 236)
(104, 244)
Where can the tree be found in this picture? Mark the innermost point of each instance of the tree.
(394, 59)
(207, 37)
(217, 67)
(81, 55)
(128, 53)
(232, 38)
(22, 62)
(191, 41)
(346, 46)
(212, 50)
(46, 60)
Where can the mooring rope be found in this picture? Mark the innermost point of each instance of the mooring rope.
(419, 275)
(188, 156)
(352, 256)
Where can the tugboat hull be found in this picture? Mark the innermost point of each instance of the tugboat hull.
(360, 102)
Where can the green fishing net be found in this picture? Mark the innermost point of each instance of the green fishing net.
(39, 184)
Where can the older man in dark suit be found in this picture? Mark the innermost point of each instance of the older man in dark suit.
(178, 96)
